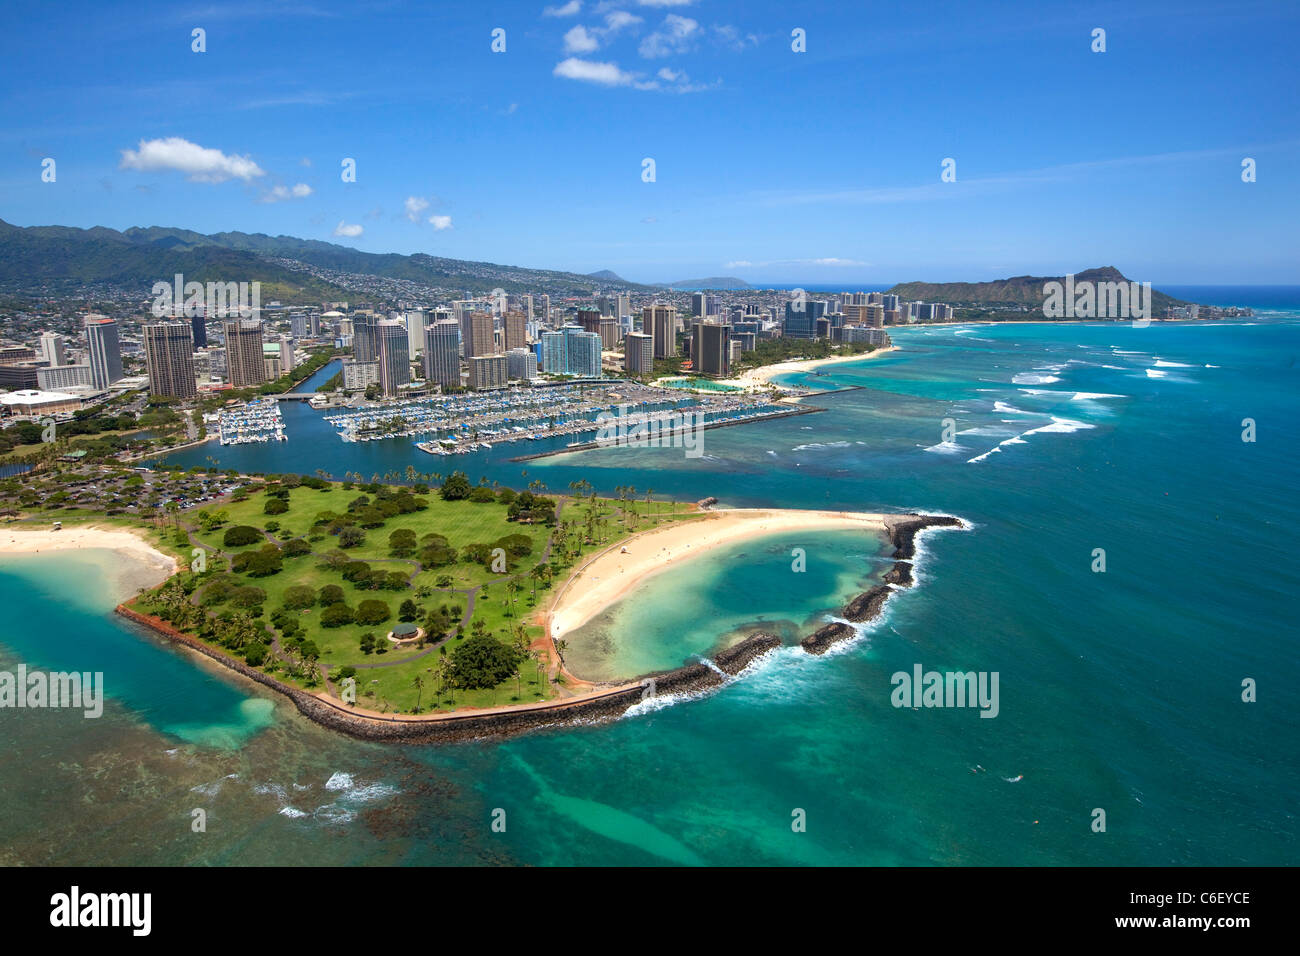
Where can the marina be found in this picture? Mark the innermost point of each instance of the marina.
(258, 421)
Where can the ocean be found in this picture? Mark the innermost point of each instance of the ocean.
(1120, 690)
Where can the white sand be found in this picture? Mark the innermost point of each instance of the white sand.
(609, 576)
(141, 564)
(763, 374)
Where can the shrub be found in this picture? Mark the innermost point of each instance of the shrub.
(482, 662)
(482, 495)
(336, 615)
(296, 548)
(373, 612)
(275, 506)
(331, 594)
(247, 596)
(240, 535)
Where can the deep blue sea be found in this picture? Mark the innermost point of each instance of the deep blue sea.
(1120, 690)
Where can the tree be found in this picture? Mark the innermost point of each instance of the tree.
(331, 594)
(408, 611)
(299, 597)
(456, 487)
(351, 536)
(336, 615)
(482, 662)
(241, 535)
(373, 612)
(275, 506)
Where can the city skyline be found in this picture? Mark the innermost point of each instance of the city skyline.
(764, 167)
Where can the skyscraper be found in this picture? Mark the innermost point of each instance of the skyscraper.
(481, 340)
(711, 348)
(801, 318)
(488, 371)
(415, 324)
(659, 321)
(571, 351)
(521, 364)
(199, 330)
(365, 342)
(169, 355)
(516, 329)
(245, 364)
(105, 351)
(639, 353)
(442, 353)
(52, 347)
(394, 356)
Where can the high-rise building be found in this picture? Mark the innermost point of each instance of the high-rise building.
(571, 351)
(589, 320)
(488, 371)
(357, 375)
(365, 337)
(699, 304)
(415, 323)
(245, 364)
(521, 365)
(394, 356)
(659, 322)
(105, 351)
(623, 305)
(442, 353)
(890, 302)
(875, 315)
(610, 333)
(481, 339)
(52, 347)
(169, 356)
(516, 330)
(546, 309)
(199, 330)
(299, 325)
(286, 354)
(711, 348)
(639, 353)
(801, 317)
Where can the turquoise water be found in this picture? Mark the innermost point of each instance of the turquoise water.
(1118, 690)
(696, 384)
(784, 584)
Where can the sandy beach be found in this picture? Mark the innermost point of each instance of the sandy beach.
(609, 576)
(764, 374)
(140, 565)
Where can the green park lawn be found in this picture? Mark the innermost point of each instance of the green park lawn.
(387, 681)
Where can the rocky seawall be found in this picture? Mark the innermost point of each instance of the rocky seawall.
(870, 604)
(447, 728)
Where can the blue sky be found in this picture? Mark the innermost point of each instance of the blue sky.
(775, 166)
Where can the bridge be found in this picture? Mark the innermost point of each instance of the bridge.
(293, 396)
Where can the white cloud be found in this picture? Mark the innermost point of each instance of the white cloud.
(415, 205)
(665, 3)
(440, 223)
(670, 75)
(199, 164)
(833, 261)
(281, 193)
(305, 161)
(739, 264)
(618, 19)
(567, 10)
(351, 232)
(578, 40)
(589, 71)
(674, 35)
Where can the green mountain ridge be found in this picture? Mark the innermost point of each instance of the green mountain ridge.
(1017, 291)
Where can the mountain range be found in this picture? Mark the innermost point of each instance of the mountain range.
(1018, 291)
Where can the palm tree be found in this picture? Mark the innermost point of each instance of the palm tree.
(418, 681)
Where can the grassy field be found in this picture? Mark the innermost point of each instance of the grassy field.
(479, 596)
